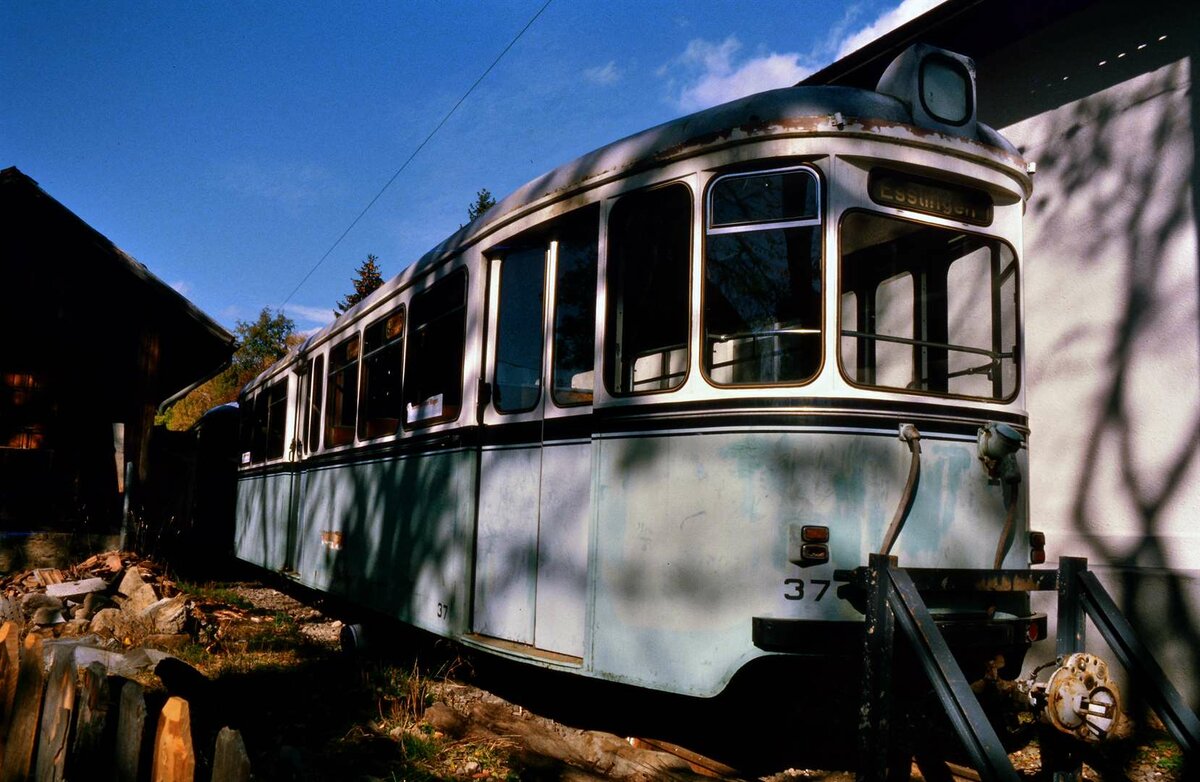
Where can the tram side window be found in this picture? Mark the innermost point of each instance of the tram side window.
(575, 309)
(927, 309)
(437, 342)
(762, 270)
(314, 410)
(383, 360)
(649, 242)
(341, 404)
(263, 422)
(518, 374)
(273, 427)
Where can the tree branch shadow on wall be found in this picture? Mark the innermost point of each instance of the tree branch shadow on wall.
(1136, 191)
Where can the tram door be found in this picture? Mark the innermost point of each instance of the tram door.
(535, 479)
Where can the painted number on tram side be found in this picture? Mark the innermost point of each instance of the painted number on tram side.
(794, 588)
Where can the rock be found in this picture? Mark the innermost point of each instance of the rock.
(75, 590)
(46, 616)
(33, 601)
(169, 615)
(446, 719)
(76, 628)
(142, 598)
(116, 623)
(10, 610)
(105, 621)
(130, 582)
(92, 603)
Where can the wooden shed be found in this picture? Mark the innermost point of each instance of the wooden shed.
(92, 343)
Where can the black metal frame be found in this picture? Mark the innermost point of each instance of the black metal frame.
(894, 601)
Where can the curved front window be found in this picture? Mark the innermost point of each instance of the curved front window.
(762, 279)
(927, 309)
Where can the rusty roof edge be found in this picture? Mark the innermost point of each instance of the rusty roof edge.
(653, 147)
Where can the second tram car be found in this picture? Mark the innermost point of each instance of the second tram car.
(630, 421)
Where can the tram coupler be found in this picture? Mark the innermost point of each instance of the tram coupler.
(1079, 699)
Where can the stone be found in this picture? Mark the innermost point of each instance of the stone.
(130, 582)
(33, 601)
(169, 615)
(140, 601)
(76, 590)
(230, 761)
(105, 621)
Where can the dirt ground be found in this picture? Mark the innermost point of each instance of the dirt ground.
(428, 710)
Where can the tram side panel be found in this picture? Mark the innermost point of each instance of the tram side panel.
(693, 539)
(389, 534)
(260, 533)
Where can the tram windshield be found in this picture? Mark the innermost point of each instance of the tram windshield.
(762, 270)
(927, 309)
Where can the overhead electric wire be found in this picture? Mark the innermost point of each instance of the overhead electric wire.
(420, 146)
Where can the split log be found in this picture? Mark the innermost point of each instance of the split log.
(230, 761)
(27, 711)
(10, 661)
(89, 749)
(131, 732)
(57, 708)
(174, 758)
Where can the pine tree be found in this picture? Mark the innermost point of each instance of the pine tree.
(483, 202)
(368, 280)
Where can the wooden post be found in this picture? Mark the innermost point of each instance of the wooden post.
(131, 732)
(89, 750)
(27, 709)
(174, 759)
(57, 708)
(230, 761)
(10, 661)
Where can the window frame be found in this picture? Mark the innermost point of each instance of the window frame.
(365, 418)
(501, 257)
(412, 354)
(610, 368)
(816, 222)
(330, 441)
(1018, 310)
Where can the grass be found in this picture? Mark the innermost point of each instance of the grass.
(349, 719)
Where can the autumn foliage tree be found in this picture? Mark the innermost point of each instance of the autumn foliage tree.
(260, 343)
(367, 280)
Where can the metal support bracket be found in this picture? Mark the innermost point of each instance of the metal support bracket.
(894, 601)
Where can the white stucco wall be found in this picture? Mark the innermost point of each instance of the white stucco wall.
(1102, 104)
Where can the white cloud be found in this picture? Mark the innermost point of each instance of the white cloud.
(712, 74)
(885, 23)
(315, 318)
(182, 287)
(603, 74)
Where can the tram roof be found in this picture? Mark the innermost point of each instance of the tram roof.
(789, 110)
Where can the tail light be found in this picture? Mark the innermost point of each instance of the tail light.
(1037, 548)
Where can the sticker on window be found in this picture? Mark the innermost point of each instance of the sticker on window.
(430, 408)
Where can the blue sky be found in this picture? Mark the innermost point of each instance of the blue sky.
(228, 145)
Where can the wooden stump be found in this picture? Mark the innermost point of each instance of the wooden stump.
(230, 761)
(89, 750)
(174, 759)
(57, 708)
(10, 660)
(27, 710)
(131, 732)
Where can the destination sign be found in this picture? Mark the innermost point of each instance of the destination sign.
(918, 194)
